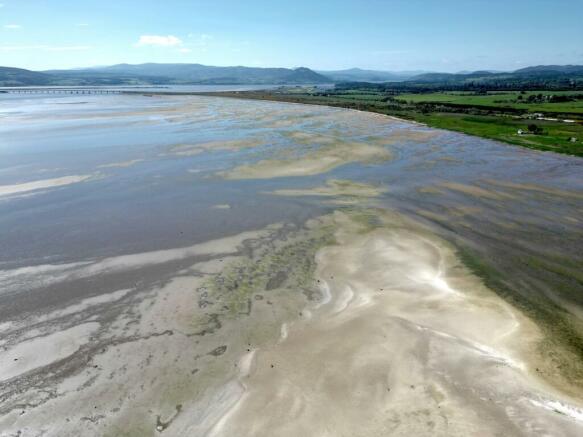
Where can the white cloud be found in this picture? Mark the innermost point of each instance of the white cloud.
(159, 41)
(184, 50)
(12, 26)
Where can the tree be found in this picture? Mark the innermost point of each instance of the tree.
(534, 129)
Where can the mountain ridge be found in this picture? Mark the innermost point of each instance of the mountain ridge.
(195, 74)
(369, 75)
(162, 74)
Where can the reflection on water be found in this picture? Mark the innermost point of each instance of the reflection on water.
(141, 185)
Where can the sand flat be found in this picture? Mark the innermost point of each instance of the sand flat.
(336, 188)
(8, 190)
(409, 344)
(43, 350)
(43, 275)
(231, 145)
(536, 188)
(159, 311)
(122, 164)
(322, 160)
(162, 357)
(476, 191)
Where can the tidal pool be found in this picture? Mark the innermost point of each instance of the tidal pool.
(188, 265)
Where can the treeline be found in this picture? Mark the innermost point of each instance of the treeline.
(412, 87)
(391, 104)
(546, 83)
(549, 98)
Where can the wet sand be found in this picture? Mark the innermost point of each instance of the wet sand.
(322, 160)
(26, 187)
(123, 164)
(336, 188)
(406, 342)
(258, 269)
(391, 334)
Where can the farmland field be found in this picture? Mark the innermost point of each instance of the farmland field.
(502, 99)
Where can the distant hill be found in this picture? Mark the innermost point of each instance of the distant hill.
(357, 74)
(537, 77)
(543, 71)
(454, 77)
(562, 69)
(197, 73)
(162, 74)
(19, 77)
(540, 77)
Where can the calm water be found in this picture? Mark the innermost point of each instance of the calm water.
(165, 200)
(165, 88)
(139, 195)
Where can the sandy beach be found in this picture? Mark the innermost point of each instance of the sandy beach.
(407, 342)
(395, 336)
(37, 185)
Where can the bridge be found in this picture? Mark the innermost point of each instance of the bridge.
(59, 91)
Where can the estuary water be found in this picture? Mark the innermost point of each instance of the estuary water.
(193, 265)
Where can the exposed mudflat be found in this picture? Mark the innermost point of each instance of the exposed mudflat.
(15, 189)
(405, 342)
(214, 267)
(342, 191)
(322, 160)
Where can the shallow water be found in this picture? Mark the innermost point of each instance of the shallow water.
(101, 194)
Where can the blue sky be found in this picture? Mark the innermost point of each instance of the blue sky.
(438, 35)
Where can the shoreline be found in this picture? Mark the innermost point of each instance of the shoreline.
(246, 95)
(240, 96)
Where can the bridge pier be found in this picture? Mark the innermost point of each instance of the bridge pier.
(71, 91)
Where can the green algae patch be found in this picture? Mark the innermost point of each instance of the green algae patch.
(560, 353)
(286, 265)
(364, 220)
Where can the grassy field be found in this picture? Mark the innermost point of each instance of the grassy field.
(555, 135)
(501, 99)
(473, 119)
